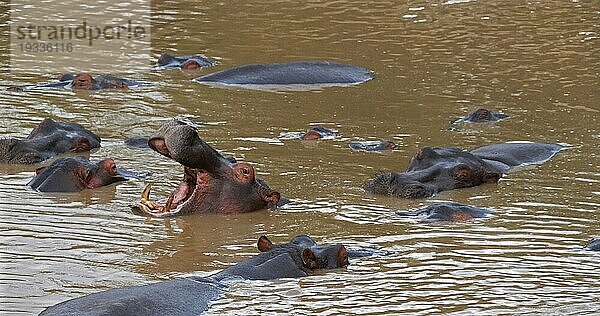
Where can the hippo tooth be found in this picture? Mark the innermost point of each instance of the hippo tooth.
(169, 203)
(146, 193)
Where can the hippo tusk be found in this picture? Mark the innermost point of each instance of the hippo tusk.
(146, 193)
(169, 203)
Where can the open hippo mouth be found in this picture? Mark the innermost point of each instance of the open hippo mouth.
(211, 183)
(176, 200)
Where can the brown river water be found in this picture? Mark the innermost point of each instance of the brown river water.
(434, 61)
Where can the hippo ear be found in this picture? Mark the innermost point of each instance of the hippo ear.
(264, 244)
(491, 177)
(80, 144)
(191, 64)
(311, 135)
(309, 259)
(159, 145)
(342, 257)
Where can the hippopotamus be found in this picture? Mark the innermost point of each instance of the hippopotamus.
(594, 244)
(454, 212)
(481, 115)
(318, 132)
(436, 169)
(375, 145)
(211, 183)
(301, 75)
(78, 173)
(184, 62)
(48, 139)
(192, 295)
(84, 81)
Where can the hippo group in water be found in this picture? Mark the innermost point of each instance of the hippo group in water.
(192, 295)
(436, 169)
(215, 183)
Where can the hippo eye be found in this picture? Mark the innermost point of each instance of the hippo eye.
(245, 171)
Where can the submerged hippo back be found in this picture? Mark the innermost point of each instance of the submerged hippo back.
(294, 73)
(187, 296)
(518, 153)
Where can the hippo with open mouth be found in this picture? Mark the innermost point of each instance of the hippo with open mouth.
(192, 295)
(299, 75)
(211, 183)
(436, 169)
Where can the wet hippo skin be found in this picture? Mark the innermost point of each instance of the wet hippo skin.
(317, 132)
(48, 139)
(436, 169)
(445, 211)
(594, 244)
(481, 115)
(184, 62)
(83, 81)
(377, 145)
(293, 73)
(76, 174)
(192, 295)
(211, 183)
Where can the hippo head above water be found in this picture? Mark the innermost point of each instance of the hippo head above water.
(313, 256)
(48, 139)
(184, 62)
(300, 257)
(433, 170)
(317, 132)
(436, 169)
(76, 174)
(481, 115)
(211, 183)
(85, 81)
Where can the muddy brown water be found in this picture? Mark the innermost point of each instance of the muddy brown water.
(536, 61)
